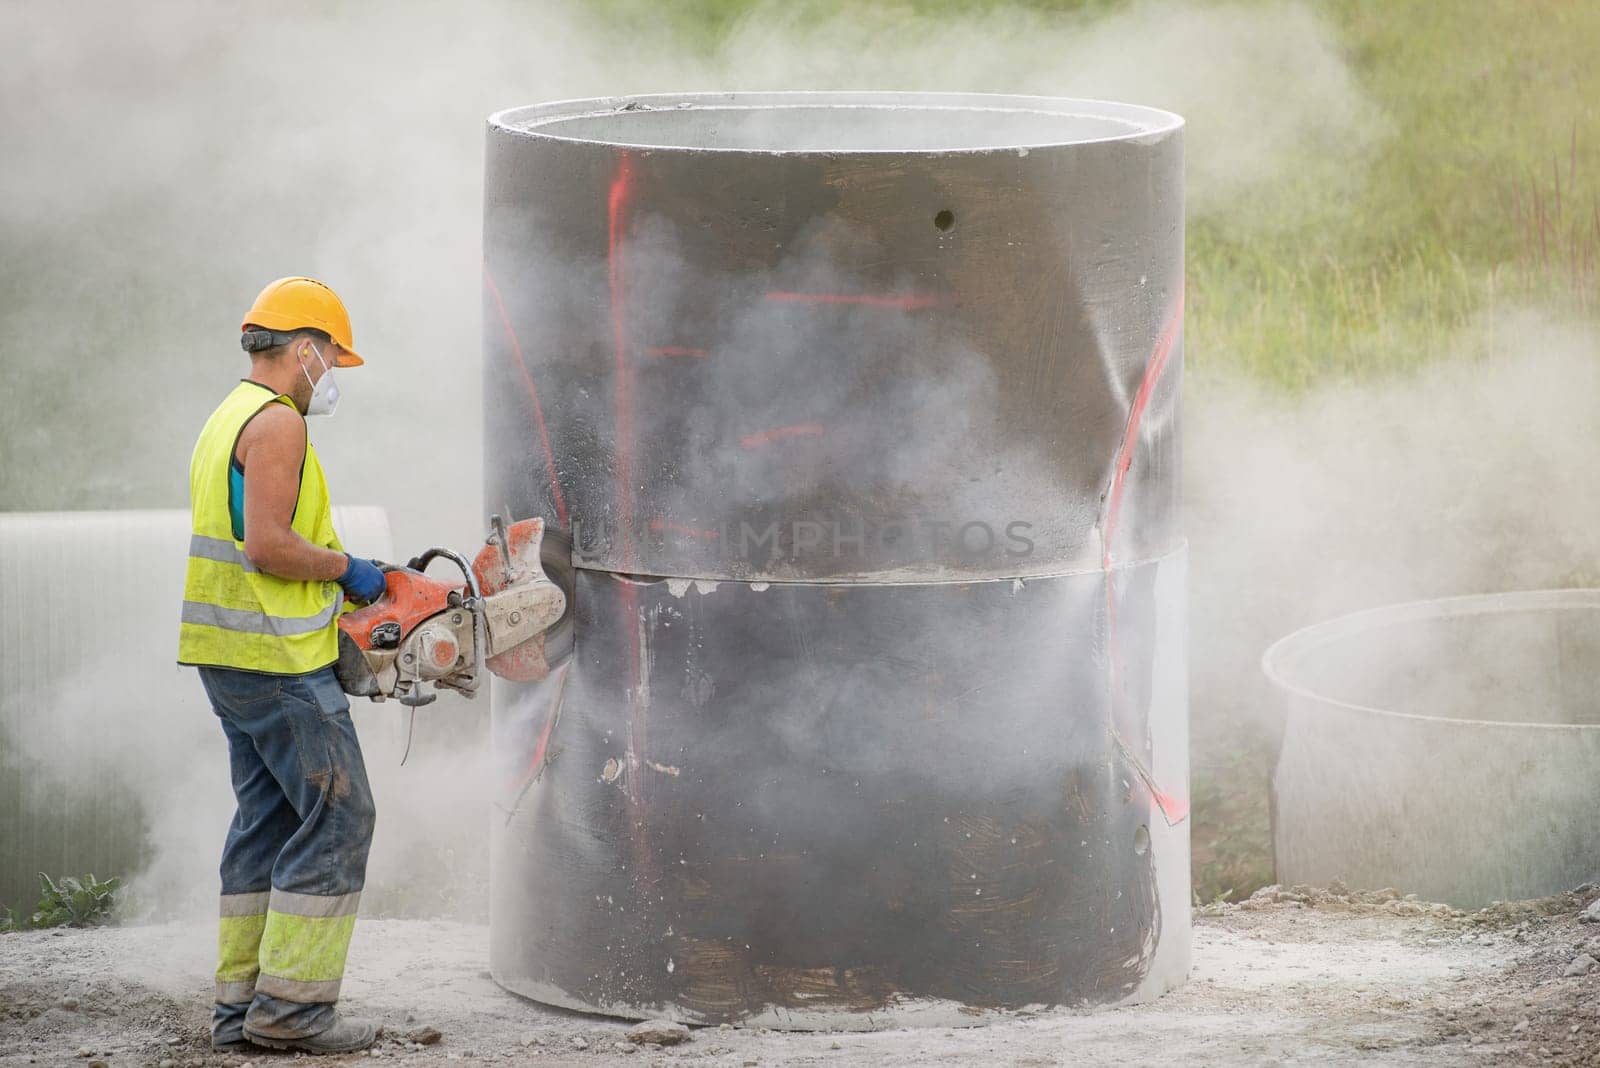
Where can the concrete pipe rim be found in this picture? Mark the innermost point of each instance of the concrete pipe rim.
(1282, 657)
(1103, 121)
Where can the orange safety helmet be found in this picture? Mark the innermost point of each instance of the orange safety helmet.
(298, 303)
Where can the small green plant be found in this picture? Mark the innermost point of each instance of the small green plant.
(71, 902)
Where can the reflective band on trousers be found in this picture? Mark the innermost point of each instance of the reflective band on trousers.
(314, 905)
(245, 904)
(240, 993)
(304, 945)
(244, 918)
(248, 622)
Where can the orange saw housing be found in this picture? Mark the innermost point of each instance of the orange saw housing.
(409, 598)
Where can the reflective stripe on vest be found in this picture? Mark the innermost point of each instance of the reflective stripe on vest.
(234, 614)
(221, 550)
(247, 622)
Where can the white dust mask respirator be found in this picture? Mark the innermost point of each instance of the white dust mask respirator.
(324, 391)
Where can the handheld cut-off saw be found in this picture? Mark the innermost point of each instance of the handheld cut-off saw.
(511, 614)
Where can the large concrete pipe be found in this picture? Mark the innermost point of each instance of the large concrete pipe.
(861, 411)
(1446, 748)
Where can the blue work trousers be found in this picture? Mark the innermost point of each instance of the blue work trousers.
(295, 858)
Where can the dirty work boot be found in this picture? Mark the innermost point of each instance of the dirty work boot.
(345, 1036)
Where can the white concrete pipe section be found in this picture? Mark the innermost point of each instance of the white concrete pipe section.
(1446, 748)
(110, 759)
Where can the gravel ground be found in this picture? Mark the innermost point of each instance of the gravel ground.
(1296, 976)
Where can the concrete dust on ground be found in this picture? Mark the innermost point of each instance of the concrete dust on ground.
(1296, 976)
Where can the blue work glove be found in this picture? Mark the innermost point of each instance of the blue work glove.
(362, 580)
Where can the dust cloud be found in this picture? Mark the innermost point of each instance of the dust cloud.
(166, 160)
(1471, 475)
(163, 163)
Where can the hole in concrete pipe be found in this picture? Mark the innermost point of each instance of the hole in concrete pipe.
(1141, 840)
(945, 219)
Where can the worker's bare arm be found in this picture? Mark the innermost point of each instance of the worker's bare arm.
(272, 449)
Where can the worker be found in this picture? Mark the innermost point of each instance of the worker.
(267, 581)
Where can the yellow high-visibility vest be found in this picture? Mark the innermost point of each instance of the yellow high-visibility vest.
(234, 615)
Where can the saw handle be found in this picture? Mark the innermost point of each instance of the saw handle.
(422, 560)
(420, 563)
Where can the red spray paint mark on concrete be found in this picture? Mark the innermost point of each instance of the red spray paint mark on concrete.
(778, 433)
(1174, 809)
(533, 395)
(1153, 372)
(906, 303)
(622, 398)
(536, 764)
(667, 525)
(675, 350)
(622, 412)
(551, 714)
